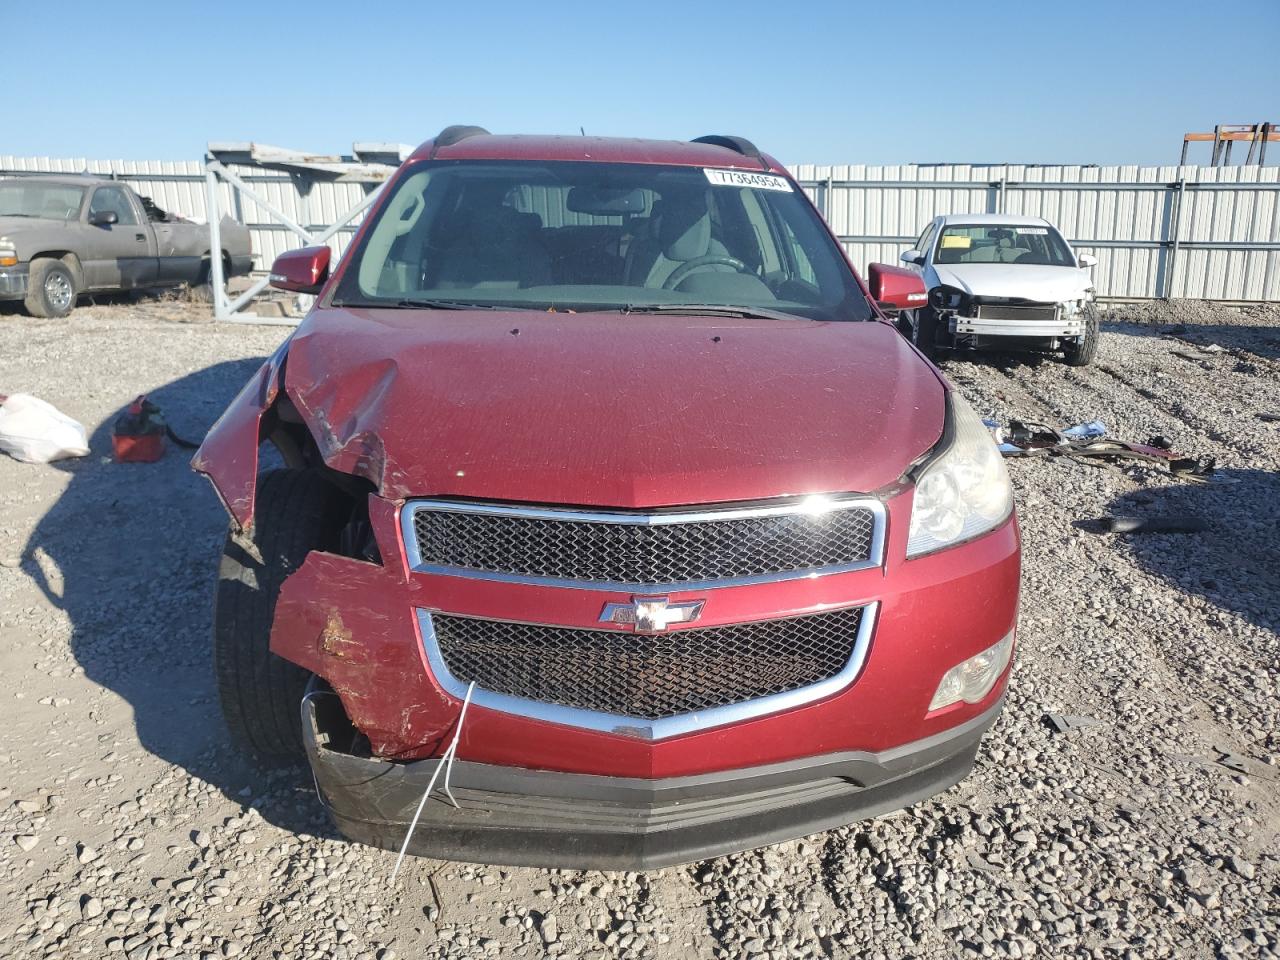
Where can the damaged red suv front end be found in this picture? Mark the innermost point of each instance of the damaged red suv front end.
(607, 438)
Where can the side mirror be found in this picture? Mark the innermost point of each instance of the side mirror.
(895, 288)
(912, 256)
(301, 271)
(104, 218)
(1087, 260)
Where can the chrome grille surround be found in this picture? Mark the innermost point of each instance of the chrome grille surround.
(683, 549)
(861, 630)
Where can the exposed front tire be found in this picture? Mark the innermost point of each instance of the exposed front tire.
(926, 332)
(296, 512)
(1081, 352)
(51, 288)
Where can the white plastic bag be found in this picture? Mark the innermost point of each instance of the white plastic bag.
(36, 432)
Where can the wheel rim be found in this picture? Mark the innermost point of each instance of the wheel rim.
(57, 290)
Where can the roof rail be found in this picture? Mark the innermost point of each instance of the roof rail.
(456, 134)
(737, 144)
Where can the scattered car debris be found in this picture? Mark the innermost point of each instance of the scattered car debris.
(1268, 417)
(1086, 431)
(1066, 722)
(34, 431)
(139, 433)
(1233, 761)
(1156, 524)
(1086, 442)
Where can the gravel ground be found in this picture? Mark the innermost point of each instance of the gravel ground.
(129, 825)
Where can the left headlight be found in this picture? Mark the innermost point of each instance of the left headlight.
(964, 492)
(8, 253)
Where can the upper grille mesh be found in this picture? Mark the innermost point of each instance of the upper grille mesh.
(648, 676)
(589, 551)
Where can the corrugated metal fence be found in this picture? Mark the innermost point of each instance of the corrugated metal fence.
(1200, 232)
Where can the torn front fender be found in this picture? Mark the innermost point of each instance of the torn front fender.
(229, 454)
(352, 622)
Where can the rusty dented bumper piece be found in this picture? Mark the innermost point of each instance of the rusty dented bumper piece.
(520, 817)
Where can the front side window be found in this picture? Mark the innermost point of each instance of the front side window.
(580, 235)
(113, 200)
(44, 201)
(1003, 243)
(922, 243)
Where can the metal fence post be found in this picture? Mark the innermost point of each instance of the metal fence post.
(214, 213)
(1175, 231)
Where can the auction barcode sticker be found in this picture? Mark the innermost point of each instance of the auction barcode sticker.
(742, 178)
(1034, 231)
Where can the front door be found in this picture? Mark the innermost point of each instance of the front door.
(120, 255)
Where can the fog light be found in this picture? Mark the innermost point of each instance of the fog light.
(972, 680)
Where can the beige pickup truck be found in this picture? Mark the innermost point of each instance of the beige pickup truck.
(64, 236)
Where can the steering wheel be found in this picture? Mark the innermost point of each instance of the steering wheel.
(682, 271)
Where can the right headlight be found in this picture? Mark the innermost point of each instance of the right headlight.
(8, 253)
(964, 492)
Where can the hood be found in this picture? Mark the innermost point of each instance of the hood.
(10, 225)
(1024, 281)
(29, 233)
(607, 410)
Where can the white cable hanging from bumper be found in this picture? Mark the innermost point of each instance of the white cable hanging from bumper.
(446, 764)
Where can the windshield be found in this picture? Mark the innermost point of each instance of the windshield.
(606, 236)
(48, 201)
(1003, 243)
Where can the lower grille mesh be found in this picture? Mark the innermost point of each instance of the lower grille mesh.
(648, 676)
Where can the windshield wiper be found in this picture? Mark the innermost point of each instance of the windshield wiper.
(715, 309)
(411, 303)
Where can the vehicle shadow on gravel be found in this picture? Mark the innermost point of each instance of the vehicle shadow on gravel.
(1235, 563)
(129, 551)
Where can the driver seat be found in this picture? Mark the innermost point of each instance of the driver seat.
(682, 234)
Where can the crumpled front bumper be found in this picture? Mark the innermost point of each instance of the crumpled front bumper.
(13, 282)
(522, 817)
(1020, 323)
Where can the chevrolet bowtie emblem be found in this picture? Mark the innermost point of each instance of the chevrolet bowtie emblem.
(652, 614)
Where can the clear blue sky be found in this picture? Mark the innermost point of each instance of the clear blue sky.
(1075, 81)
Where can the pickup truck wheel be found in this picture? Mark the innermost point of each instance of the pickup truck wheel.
(1082, 351)
(201, 289)
(296, 512)
(51, 289)
(926, 332)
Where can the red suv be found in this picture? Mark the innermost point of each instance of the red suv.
(606, 441)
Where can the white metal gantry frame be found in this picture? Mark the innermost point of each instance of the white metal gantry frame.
(370, 165)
